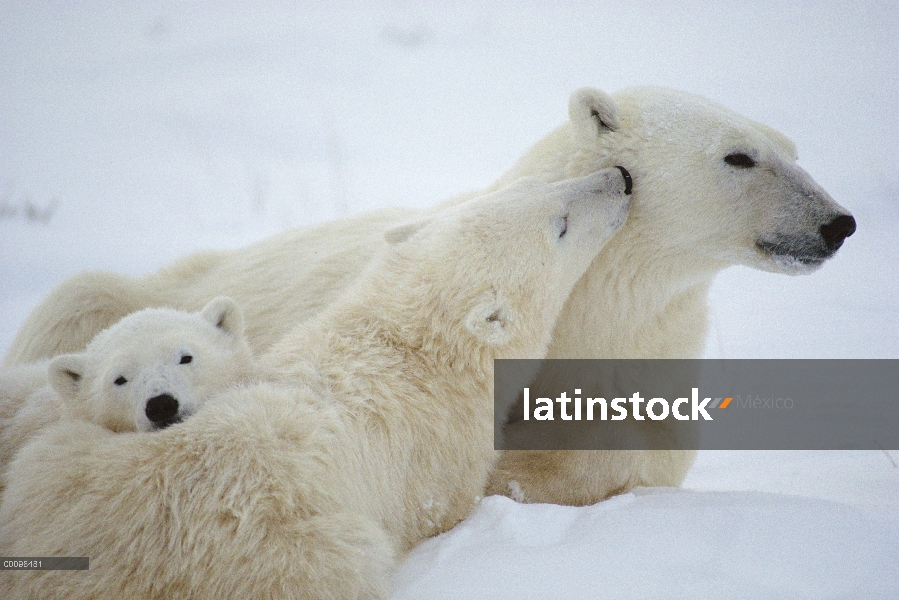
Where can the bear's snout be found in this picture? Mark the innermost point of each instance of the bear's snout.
(162, 410)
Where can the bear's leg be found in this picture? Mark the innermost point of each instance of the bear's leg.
(583, 477)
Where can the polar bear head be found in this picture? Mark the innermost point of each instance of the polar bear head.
(710, 185)
(495, 271)
(155, 367)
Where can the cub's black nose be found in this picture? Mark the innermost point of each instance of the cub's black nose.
(835, 232)
(162, 410)
(628, 182)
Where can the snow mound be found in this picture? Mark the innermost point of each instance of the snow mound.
(660, 543)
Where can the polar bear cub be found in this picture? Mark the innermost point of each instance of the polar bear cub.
(152, 369)
(155, 367)
(371, 426)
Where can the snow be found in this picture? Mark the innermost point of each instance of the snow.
(134, 133)
(659, 543)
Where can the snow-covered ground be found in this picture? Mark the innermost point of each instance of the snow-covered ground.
(134, 133)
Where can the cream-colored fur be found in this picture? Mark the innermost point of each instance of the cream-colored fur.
(645, 297)
(373, 427)
(27, 405)
(127, 370)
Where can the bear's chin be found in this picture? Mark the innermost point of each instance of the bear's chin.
(790, 265)
(784, 263)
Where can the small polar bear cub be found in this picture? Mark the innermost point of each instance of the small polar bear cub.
(155, 367)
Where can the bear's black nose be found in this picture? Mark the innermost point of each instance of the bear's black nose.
(162, 410)
(836, 231)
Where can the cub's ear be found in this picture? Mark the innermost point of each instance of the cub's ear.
(66, 372)
(593, 113)
(224, 313)
(490, 321)
(401, 233)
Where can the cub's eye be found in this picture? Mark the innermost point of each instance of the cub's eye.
(120, 381)
(739, 160)
(186, 359)
(562, 226)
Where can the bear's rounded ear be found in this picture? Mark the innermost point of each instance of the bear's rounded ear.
(490, 322)
(401, 233)
(593, 113)
(66, 373)
(224, 313)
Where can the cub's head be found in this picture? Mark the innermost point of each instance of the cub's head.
(710, 185)
(495, 271)
(156, 367)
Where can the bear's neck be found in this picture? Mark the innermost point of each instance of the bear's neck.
(636, 305)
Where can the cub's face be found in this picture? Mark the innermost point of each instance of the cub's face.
(155, 368)
(505, 263)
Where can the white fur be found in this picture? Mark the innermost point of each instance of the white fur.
(645, 297)
(373, 431)
(146, 353)
(27, 405)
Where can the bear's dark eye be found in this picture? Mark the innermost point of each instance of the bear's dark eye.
(186, 359)
(562, 226)
(602, 124)
(739, 160)
(120, 381)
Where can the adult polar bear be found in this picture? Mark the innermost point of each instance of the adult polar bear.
(711, 189)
